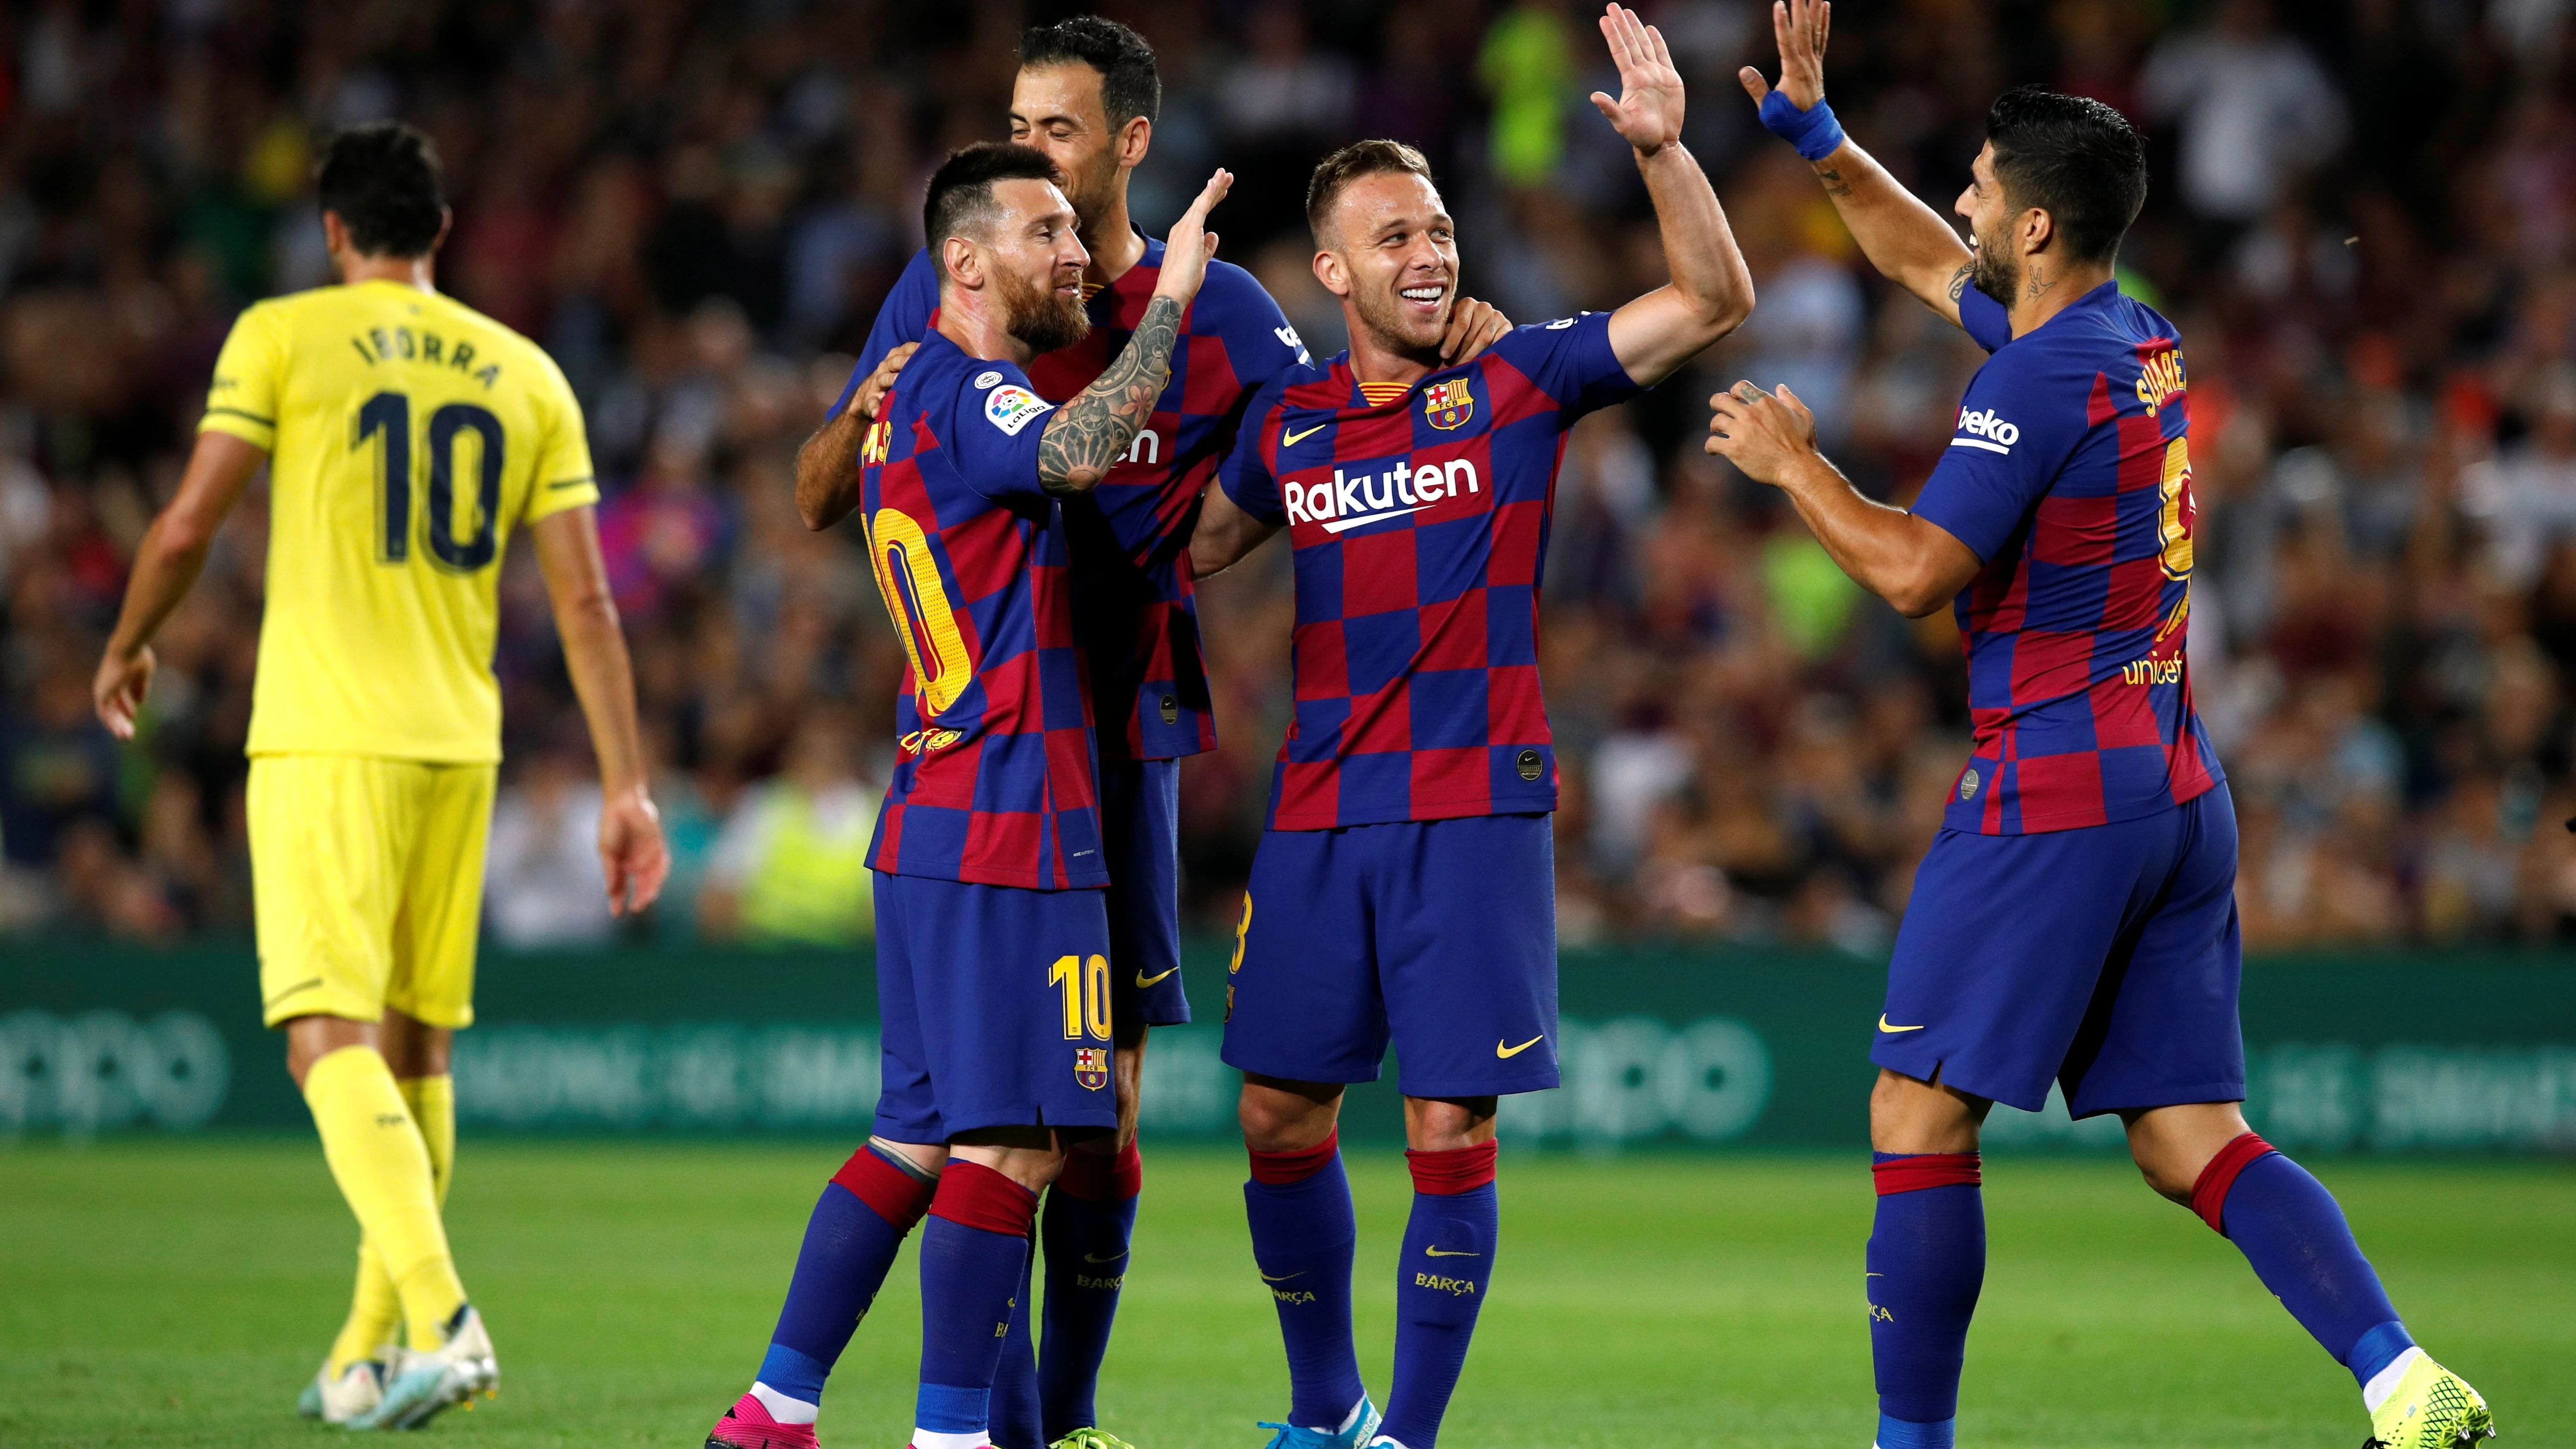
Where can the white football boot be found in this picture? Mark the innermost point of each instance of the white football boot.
(336, 1401)
(421, 1385)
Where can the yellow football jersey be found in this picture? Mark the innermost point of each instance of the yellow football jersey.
(407, 435)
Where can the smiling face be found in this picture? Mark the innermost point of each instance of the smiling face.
(1057, 109)
(1391, 255)
(1991, 233)
(1032, 263)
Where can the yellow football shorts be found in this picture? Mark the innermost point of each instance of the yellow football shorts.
(367, 878)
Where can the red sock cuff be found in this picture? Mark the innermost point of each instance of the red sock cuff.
(1926, 1169)
(1094, 1178)
(2209, 1195)
(1287, 1167)
(890, 1192)
(972, 1195)
(1452, 1171)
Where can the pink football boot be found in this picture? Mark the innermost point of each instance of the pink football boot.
(747, 1425)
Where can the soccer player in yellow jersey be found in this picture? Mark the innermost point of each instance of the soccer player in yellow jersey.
(405, 436)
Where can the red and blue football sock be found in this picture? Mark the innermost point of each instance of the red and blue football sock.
(1090, 1222)
(1440, 1283)
(1303, 1234)
(2291, 1229)
(974, 1259)
(1927, 1263)
(850, 1244)
(1015, 1420)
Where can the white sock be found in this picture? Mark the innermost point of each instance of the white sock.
(925, 1439)
(784, 1409)
(1352, 1418)
(2383, 1384)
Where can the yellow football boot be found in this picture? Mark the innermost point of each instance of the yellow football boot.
(2432, 1408)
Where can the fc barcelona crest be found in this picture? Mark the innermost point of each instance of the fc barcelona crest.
(1091, 1067)
(1448, 404)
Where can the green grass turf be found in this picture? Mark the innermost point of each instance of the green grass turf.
(179, 1294)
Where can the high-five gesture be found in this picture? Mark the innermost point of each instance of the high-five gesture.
(1648, 113)
(1190, 244)
(1800, 26)
(1086, 437)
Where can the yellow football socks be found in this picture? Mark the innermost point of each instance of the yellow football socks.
(379, 1158)
(433, 1109)
(375, 1313)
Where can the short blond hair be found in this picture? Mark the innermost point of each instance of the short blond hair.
(1349, 164)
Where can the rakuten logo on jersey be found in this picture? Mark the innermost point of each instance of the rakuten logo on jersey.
(1986, 431)
(1351, 500)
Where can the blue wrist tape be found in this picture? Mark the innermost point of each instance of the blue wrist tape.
(1814, 132)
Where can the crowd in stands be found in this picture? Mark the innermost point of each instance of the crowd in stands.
(2363, 220)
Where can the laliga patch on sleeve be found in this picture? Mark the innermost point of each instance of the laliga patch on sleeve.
(1010, 408)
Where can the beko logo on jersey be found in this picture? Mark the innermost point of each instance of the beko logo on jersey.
(1352, 500)
(1986, 431)
(1010, 408)
(1288, 337)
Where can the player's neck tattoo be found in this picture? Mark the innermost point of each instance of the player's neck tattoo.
(1091, 432)
(2038, 286)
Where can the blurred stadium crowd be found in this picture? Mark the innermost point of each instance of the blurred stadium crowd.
(2363, 219)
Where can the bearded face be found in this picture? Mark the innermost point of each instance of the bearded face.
(1998, 273)
(1046, 317)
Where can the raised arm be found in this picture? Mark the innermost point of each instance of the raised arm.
(1089, 434)
(166, 566)
(632, 856)
(1906, 240)
(1711, 292)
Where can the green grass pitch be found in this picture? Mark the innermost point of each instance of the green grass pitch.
(178, 1294)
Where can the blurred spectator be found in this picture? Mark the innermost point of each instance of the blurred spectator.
(2256, 109)
(542, 883)
(791, 865)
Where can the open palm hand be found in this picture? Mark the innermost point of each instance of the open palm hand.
(1648, 113)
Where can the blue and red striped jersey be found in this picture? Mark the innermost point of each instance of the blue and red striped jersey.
(2070, 477)
(1419, 520)
(1132, 590)
(996, 780)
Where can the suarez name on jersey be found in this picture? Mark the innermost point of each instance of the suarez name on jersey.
(2070, 476)
(1130, 536)
(1418, 520)
(995, 782)
(407, 436)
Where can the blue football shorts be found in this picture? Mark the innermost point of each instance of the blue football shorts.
(1140, 834)
(995, 1008)
(1436, 935)
(2107, 958)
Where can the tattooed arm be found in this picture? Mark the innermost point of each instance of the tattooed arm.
(1090, 433)
(1906, 240)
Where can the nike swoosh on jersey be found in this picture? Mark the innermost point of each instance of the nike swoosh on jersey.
(1892, 1030)
(1289, 438)
(1436, 1253)
(1143, 980)
(1501, 1050)
(1340, 524)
